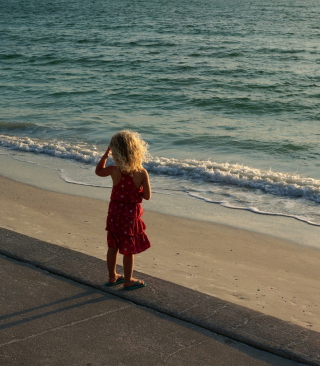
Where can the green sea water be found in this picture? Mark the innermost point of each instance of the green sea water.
(226, 93)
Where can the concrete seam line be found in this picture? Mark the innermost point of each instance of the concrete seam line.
(63, 326)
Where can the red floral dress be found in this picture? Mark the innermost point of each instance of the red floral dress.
(124, 224)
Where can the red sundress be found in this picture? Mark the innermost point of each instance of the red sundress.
(124, 224)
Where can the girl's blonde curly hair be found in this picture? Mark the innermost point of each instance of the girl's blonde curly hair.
(129, 151)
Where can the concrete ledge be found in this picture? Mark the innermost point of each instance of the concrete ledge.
(236, 322)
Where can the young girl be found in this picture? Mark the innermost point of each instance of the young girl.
(124, 224)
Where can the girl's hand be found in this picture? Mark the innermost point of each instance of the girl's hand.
(108, 151)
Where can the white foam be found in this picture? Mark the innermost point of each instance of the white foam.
(277, 183)
(230, 185)
(268, 181)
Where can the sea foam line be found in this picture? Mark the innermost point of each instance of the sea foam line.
(255, 210)
(268, 181)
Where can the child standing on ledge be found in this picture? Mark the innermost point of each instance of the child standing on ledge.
(124, 224)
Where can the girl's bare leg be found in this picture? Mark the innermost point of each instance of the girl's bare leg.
(112, 256)
(128, 263)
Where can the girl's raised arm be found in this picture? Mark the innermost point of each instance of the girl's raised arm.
(101, 169)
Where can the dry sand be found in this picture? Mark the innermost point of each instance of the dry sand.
(264, 273)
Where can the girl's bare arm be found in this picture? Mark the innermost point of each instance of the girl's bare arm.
(146, 186)
(101, 169)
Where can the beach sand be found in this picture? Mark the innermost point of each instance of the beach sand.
(262, 272)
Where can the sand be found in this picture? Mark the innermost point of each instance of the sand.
(262, 272)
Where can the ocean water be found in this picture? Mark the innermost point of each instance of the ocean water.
(225, 92)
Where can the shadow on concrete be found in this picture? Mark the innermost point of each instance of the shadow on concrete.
(181, 304)
(171, 341)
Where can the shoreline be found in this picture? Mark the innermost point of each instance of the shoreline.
(46, 175)
(262, 272)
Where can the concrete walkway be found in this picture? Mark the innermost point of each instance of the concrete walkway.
(55, 311)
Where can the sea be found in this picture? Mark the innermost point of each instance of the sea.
(225, 92)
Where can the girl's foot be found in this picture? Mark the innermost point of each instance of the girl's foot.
(134, 284)
(115, 280)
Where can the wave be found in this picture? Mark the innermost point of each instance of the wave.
(267, 181)
(81, 152)
(271, 147)
(26, 129)
(18, 126)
